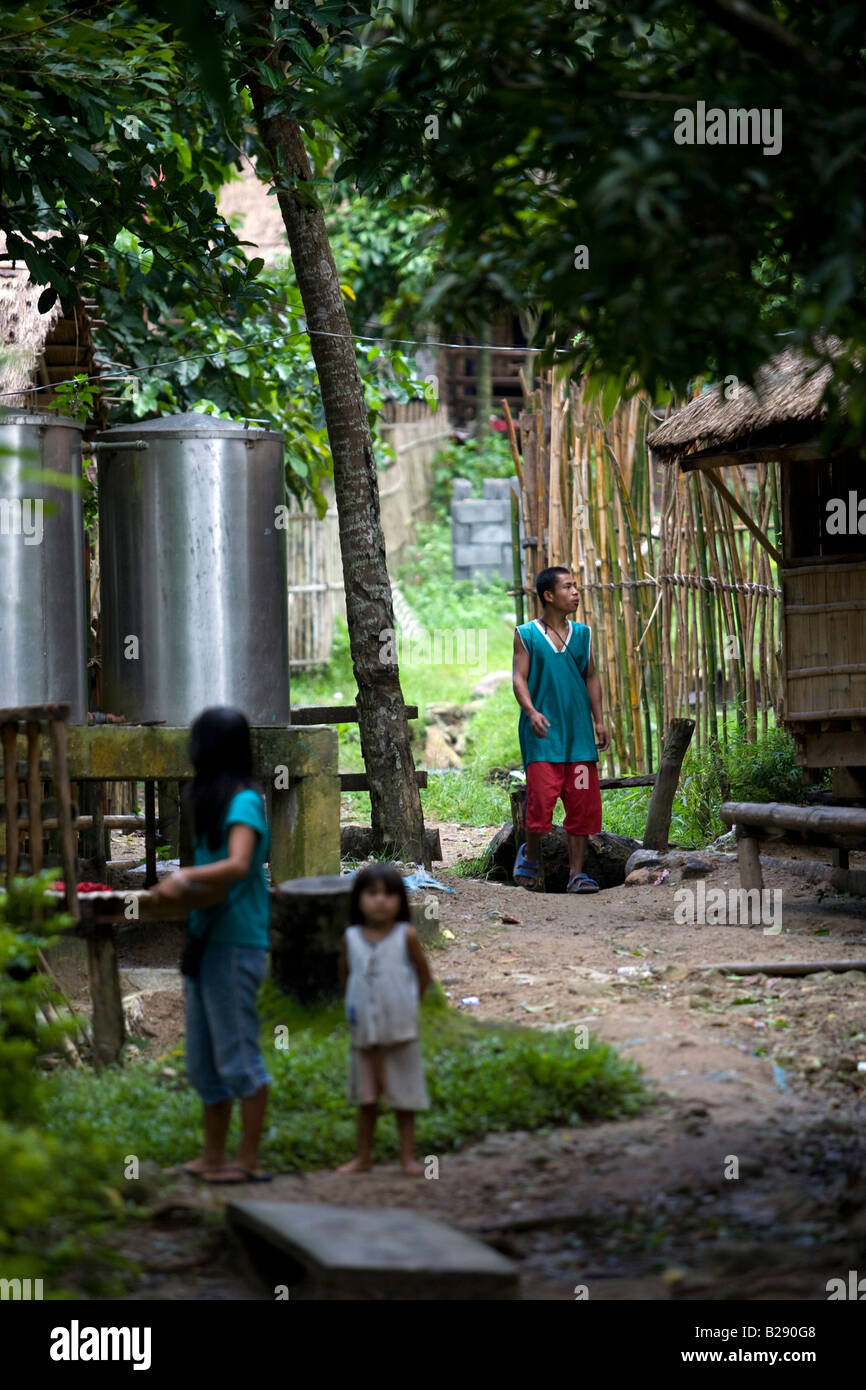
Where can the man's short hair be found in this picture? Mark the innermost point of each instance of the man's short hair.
(547, 579)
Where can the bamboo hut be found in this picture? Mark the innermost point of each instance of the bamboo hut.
(39, 350)
(822, 561)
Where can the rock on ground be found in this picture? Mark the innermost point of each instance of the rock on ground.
(606, 857)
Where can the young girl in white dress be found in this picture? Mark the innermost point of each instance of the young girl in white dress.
(384, 972)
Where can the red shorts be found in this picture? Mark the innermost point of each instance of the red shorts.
(576, 784)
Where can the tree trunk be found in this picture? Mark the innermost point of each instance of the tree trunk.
(397, 819)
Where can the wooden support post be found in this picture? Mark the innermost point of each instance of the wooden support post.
(749, 858)
(169, 827)
(10, 788)
(305, 828)
(658, 821)
(150, 874)
(34, 796)
(100, 857)
(63, 795)
(108, 1027)
(186, 832)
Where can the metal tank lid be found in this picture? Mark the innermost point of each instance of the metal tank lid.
(39, 417)
(189, 425)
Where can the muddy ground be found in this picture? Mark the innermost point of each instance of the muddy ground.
(761, 1070)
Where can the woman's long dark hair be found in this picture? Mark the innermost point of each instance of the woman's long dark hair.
(222, 756)
(369, 877)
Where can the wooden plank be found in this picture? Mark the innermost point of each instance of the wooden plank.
(122, 752)
(63, 792)
(741, 512)
(799, 673)
(10, 783)
(150, 874)
(334, 714)
(34, 795)
(50, 822)
(358, 782)
(27, 713)
(785, 967)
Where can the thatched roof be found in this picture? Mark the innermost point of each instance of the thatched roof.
(39, 349)
(784, 408)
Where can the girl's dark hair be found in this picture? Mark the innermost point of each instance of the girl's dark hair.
(547, 580)
(222, 755)
(369, 877)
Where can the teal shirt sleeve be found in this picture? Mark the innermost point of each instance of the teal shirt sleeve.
(247, 808)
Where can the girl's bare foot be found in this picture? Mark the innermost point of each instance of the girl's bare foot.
(197, 1166)
(356, 1165)
(413, 1167)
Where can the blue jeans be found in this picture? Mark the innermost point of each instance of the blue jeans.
(223, 1057)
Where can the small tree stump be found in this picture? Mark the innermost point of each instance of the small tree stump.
(308, 920)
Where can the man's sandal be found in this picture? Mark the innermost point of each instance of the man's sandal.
(582, 883)
(525, 871)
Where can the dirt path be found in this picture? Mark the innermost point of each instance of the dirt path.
(759, 1070)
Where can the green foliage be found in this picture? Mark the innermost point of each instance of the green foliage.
(101, 136)
(481, 1077)
(556, 131)
(51, 1183)
(440, 601)
(465, 797)
(473, 461)
(75, 398)
(737, 771)
(388, 254)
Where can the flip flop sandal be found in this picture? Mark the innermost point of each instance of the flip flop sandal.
(525, 873)
(582, 883)
(245, 1176)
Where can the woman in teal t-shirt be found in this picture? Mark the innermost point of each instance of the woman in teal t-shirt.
(230, 936)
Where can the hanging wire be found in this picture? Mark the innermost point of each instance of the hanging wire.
(134, 372)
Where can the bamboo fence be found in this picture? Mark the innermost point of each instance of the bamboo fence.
(682, 599)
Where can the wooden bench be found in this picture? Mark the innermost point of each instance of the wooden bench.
(840, 828)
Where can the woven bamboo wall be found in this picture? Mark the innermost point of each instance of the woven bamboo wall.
(825, 642)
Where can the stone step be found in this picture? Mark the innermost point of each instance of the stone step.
(319, 1251)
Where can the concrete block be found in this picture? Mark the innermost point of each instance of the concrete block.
(460, 488)
(492, 533)
(460, 533)
(500, 488)
(322, 1251)
(475, 513)
(478, 556)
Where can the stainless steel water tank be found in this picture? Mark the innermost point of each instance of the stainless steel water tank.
(193, 570)
(43, 596)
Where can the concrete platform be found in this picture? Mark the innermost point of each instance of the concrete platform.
(322, 1252)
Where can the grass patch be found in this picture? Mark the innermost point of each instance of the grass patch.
(481, 1077)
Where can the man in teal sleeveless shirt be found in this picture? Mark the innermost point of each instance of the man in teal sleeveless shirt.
(559, 693)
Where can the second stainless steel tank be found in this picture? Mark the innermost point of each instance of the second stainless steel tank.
(193, 570)
(43, 597)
